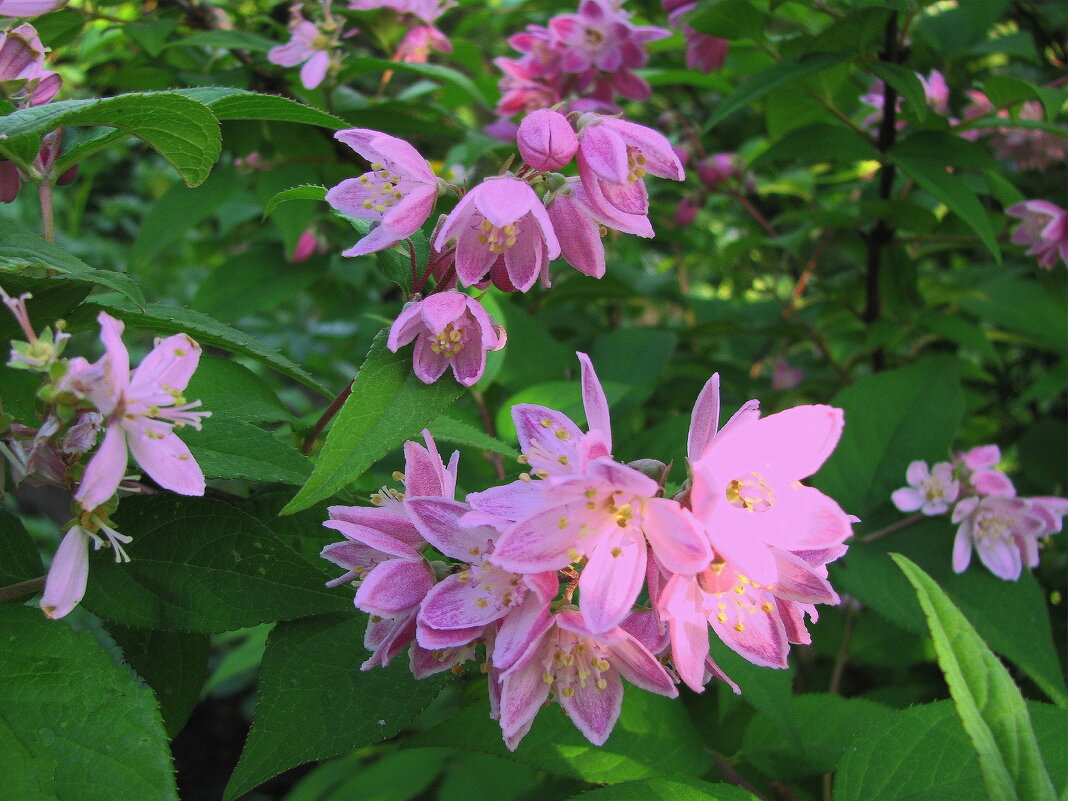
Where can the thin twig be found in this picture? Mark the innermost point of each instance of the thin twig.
(331, 410)
(727, 771)
(900, 524)
(843, 649)
(23, 588)
(487, 423)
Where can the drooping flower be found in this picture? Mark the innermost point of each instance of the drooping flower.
(398, 193)
(546, 140)
(68, 575)
(450, 329)
(23, 77)
(416, 45)
(1002, 531)
(718, 168)
(141, 409)
(1043, 228)
(29, 8)
(931, 490)
(500, 227)
(308, 46)
(705, 52)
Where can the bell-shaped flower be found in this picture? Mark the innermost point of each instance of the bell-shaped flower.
(1001, 529)
(500, 225)
(23, 77)
(416, 45)
(398, 193)
(546, 140)
(450, 329)
(931, 490)
(308, 46)
(142, 408)
(69, 572)
(581, 671)
(29, 8)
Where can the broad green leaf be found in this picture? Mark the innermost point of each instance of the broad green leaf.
(1020, 305)
(956, 328)
(180, 129)
(891, 419)
(770, 692)
(20, 250)
(821, 141)
(952, 190)
(667, 790)
(923, 754)
(944, 150)
(905, 82)
(616, 355)
(729, 19)
(653, 737)
(203, 565)
(446, 74)
(404, 775)
(226, 40)
(449, 429)
(854, 32)
(173, 663)
(228, 103)
(165, 320)
(253, 281)
(1005, 90)
(229, 448)
(532, 354)
(75, 725)
(987, 700)
(487, 778)
(229, 389)
(303, 531)
(311, 683)
(305, 192)
(770, 78)
(386, 406)
(19, 559)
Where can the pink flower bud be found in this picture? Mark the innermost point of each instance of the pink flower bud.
(305, 247)
(546, 140)
(686, 211)
(716, 169)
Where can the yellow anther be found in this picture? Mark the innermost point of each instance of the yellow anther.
(524, 459)
(546, 422)
(561, 523)
(573, 555)
(562, 434)
(547, 678)
(616, 552)
(591, 493)
(567, 692)
(561, 459)
(179, 352)
(481, 603)
(739, 627)
(766, 606)
(398, 475)
(602, 684)
(722, 617)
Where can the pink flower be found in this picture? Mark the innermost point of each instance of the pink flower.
(613, 157)
(931, 490)
(975, 469)
(580, 670)
(704, 52)
(69, 573)
(718, 168)
(25, 80)
(936, 90)
(307, 245)
(686, 211)
(600, 36)
(29, 8)
(141, 408)
(500, 227)
(426, 10)
(1043, 228)
(450, 330)
(307, 46)
(1003, 532)
(546, 140)
(784, 376)
(398, 193)
(416, 45)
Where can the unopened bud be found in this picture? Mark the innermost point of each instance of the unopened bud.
(546, 140)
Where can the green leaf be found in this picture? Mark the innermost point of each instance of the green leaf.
(305, 192)
(891, 419)
(228, 103)
(173, 663)
(532, 355)
(667, 790)
(229, 389)
(386, 406)
(203, 565)
(162, 319)
(229, 448)
(616, 354)
(404, 775)
(905, 82)
(19, 559)
(311, 682)
(446, 74)
(821, 141)
(956, 328)
(729, 19)
(943, 150)
(181, 130)
(252, 281)
(20, 250)
(18, 394)
(226, 40)
(653, 737)
(74, 724)
(987, 700)
(770, 692)
(771, 78)
(1005, 90)
(449, 429)
(1021, 305)
(954, 192)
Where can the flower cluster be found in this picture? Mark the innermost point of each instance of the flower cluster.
(1005, 530)
(137, 409)
(1043, 228)
(505, 230)
(741, 548)
(1024, 148)
(586, 58)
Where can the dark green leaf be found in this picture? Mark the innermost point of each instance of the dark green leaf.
(18, 393)
(19, 559)
(821, 141)
(770, 692)
(729, 19)
(387, 405)
(229, 448)
(441, 73)
(228, 389)
(1020, 305)
(227, 103)
(770, 78)
(905, 82)
(616, 355)
(226, 40)
(448, 429)
(75, 725)
(253, 281)
(306, 192)
(203, 565)
(311, 682)
(667, 790)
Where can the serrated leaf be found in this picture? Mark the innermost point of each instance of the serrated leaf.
(891, 418)
(229, 448)
(305, 192)
(228, 103)
(987, 700)
(771, 78)
(173, 320)
(448, 429)
(667, 790)
(905, 82)
(19, 559)
(311, 682)
(653, 737)
(180, 129)
(21, 249)
(229, 389)
(202, 565)
(386, 406)
(74, 724)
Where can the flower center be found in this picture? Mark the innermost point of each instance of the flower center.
(497, 239)
(449, 342)
(576, 661)
(383, 183)
(635, 164)
(750, 492)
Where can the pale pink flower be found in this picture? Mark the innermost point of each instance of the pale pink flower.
(936, 90)
(398, 193)
(1025, 148)
(500, 227)
(308, 46)
(546, 140)
(426, 10)
(450, 329)
(69, 572)
(601, 36)
(141, 408)
(416, 45)
(29, 8)
(931, 490)
(784, 376)
(23, 76)
(308, 244)
(613, 157)
(975, 470)
(580, 670)
(1002, 531)
(1043, 228)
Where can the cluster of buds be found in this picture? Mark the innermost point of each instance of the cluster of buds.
(586, 59)
(741, 548)
(137, 410)
(1005, 530)
(507, 229)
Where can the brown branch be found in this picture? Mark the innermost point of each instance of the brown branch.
(22, 588)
